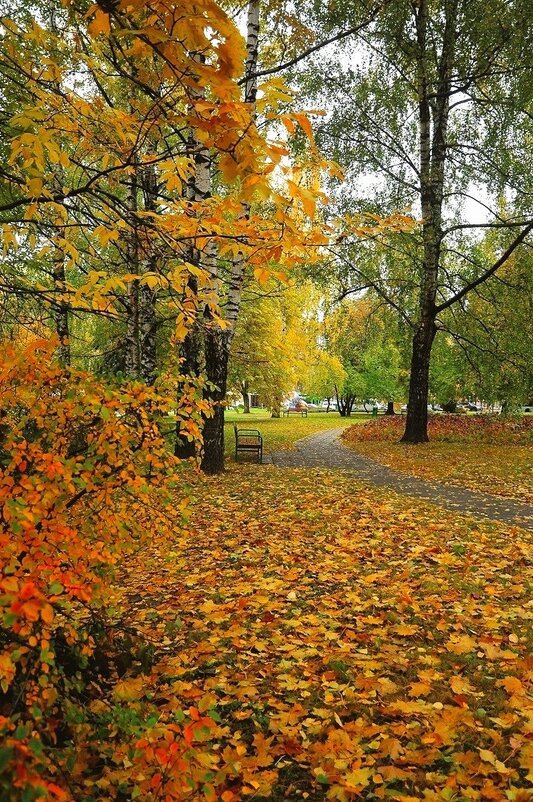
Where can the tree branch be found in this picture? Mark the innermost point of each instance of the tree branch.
(310, 50)
(488, 273)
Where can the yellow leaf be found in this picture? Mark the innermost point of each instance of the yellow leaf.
(461, 645)
(8, 236)
(30, 211)
(406, 629)
(100, 23)
(261, 275)
(105, 234)
(357, 777)
(460, 685)
(419, 689)
(487, 756)
(152, 280)
(308, 202)
(35, 187)
(501, 767)
(288, 123)
(305, 124)
(128, 690)
(511, 685)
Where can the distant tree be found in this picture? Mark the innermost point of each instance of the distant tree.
(359, 333)
(273, 343)
(325, 372)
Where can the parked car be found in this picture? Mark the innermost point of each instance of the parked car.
(371, 403)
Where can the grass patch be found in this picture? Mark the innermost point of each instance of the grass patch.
(281, 433)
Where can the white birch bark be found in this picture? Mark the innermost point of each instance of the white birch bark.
(233, 302)
(218, 339)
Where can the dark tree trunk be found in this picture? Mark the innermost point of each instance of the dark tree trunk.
(132, 360)
(246, 398)
(190, 370)
(216, 368)
(147, 334)
(390, 408)
(147, 296)
(345, 405)
(417, 407)
(132, 357)
(433, 112)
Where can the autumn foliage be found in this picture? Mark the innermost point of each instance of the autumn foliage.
(451, 428)
(351, 644)
(85, 478)
(331, 642)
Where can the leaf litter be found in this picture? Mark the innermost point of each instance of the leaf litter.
(337, 641)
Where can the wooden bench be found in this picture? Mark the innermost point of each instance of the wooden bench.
(294, 411)
(248, 441)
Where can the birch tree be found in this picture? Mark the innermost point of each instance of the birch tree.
(218, 337)
(434, 110)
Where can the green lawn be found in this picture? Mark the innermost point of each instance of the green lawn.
(282, 433)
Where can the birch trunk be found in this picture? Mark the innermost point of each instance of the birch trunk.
(218, 340)
(433, 110)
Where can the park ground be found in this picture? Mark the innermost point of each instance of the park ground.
(341, 641)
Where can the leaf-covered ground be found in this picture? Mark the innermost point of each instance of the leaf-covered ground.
(478, 452)
(348, 642)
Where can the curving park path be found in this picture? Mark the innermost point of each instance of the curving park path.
(325, 450)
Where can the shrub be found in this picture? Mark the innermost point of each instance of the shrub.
(82, 465)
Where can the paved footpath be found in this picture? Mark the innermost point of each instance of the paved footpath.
(325, 450)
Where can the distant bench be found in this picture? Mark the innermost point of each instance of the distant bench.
(248, 441)
(294, 411)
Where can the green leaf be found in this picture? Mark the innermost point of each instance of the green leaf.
(6, 753)
(36, 746)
